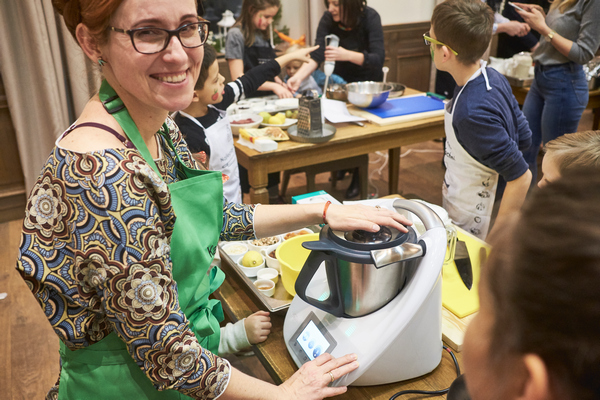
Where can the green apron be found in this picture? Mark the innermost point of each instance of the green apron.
(106, 369)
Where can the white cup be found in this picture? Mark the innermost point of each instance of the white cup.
(272, 262)
(265, 286)
(235, 251)
(268, 273)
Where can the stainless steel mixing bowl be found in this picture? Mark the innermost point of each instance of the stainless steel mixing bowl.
(335, 91)
(397, 90)
(368, 94)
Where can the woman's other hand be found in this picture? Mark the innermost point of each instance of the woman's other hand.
(352, 217)
(311, 381)
(336, 54)
(513, 28)
(258, 327)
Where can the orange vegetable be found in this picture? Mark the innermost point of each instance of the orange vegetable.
(301, 41)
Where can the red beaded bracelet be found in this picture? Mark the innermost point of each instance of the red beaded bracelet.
(325, 212)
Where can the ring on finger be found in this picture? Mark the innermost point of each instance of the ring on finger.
(331, 375)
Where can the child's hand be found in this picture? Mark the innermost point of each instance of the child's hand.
(258, 327)
(282, 91)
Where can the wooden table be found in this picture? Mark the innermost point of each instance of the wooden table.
(349, 141)
(593, 103)
(239, 302)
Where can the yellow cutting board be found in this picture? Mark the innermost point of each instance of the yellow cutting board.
(456, 298)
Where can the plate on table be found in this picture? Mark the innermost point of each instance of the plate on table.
(328, 132)
(288, 122)
(286, 104)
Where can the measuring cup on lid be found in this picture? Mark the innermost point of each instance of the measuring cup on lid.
(450, 229)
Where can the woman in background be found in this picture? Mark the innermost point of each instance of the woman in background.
(359, 56)
(248, 44)
(535, 336)
(559, 92)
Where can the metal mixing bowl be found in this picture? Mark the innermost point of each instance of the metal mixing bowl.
(335, 91)
(397, 89)
(368, 94)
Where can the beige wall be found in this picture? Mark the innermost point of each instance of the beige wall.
(296, 13)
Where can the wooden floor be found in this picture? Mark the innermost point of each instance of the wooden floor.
(29, 347)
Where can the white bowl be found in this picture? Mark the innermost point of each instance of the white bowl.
(268, 273)
(265, 286)
(272, 262)
(235, 251)
(267, 247)
(235, 128)
(298, 232)
(251, 272)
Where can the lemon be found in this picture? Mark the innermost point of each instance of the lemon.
(252, 259)
(289, 114)
(276, 120)
(265, 115)
(280, 115)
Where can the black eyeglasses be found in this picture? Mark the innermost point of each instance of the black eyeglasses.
(155, 40)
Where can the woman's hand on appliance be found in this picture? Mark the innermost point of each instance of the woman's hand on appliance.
(311, 381)
(272, 220)
(358, 216)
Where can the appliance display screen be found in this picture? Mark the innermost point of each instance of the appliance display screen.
(312, 341)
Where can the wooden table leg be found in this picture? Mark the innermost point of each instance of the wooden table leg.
(596, 123)
(393, 169)
(258, 179)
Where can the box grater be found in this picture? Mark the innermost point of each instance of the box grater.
(310, 122)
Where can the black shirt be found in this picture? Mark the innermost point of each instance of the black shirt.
(366, 38)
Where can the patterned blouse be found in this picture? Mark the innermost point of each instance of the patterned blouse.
(96, 226)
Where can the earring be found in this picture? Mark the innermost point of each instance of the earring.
(101, 62)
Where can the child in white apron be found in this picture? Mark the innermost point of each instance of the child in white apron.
(204, 123)
(486, 131)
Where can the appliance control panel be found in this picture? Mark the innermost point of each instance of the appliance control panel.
(311, 339)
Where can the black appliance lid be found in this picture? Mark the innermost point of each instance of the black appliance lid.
(363, 240)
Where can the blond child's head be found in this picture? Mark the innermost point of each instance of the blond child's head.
(568, 152)
(293, 66)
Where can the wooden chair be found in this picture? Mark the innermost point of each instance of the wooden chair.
(362, 162)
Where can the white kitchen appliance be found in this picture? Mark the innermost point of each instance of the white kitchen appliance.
(399, 336)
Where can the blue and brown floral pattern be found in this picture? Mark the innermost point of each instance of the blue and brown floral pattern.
(95, 251)
(47, 213)
(143, 293)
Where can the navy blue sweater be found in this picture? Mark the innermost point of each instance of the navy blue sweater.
(491, 127)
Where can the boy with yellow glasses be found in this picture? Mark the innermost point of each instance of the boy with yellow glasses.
(486, 131)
